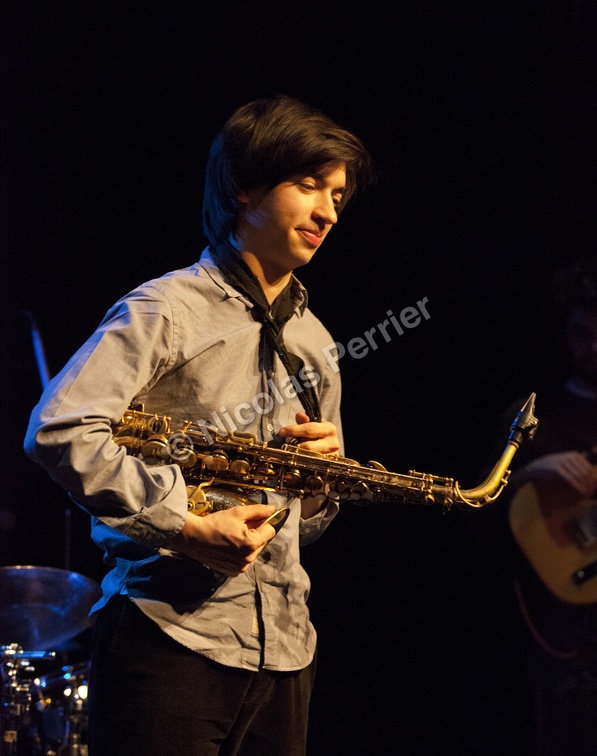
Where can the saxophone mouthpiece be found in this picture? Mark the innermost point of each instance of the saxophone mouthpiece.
(525, 424)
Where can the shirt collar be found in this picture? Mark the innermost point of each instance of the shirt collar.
(208, 262)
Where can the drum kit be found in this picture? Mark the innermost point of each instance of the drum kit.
(41, 609)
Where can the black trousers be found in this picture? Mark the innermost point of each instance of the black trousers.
(151, 696)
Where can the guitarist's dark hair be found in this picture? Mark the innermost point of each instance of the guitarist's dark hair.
(575, 286)
(572, 287)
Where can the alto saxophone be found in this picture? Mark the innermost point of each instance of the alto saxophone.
(223, 470)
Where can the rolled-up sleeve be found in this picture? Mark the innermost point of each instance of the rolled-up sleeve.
(70, 432)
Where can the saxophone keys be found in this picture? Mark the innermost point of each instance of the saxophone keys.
(339, 490)
(197, 501)
(263, 472)
(186, 458)
(314, 485)
(156, 447)
(361, 492)
(216, 462)
(293, 480)
(376, 465)
(183, 453)
(240, 467)
(157, 424)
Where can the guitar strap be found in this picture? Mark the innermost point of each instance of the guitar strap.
(534, 630)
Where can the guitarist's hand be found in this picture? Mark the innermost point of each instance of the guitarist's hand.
(228, 541)
(571, 466)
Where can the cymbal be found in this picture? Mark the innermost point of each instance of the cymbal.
(41, 607)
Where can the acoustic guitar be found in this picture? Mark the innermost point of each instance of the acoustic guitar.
(557, 531)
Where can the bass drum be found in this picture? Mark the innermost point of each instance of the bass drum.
(62, 711)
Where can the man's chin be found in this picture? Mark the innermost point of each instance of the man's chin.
(303, 256)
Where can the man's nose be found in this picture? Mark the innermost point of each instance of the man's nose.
(325, 209)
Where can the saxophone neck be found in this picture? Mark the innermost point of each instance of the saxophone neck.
(522, 429)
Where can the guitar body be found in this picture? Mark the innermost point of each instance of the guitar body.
(557, 531)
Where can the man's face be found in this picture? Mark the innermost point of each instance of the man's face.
(581, 336)
(283, 227)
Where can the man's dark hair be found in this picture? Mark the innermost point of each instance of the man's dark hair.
(575, 287)
(266, 142)
(572, 287)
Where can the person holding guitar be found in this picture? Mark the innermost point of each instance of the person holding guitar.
(551, 510)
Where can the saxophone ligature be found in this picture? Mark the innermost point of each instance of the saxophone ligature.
(223, 470)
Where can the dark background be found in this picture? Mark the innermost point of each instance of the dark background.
(481, 119)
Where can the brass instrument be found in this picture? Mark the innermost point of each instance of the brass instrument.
(222, 470)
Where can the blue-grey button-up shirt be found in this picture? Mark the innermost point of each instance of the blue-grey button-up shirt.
(186, 345)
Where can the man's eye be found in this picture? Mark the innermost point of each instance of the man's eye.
(306, 185)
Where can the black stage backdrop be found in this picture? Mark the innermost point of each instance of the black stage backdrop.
(482, 123)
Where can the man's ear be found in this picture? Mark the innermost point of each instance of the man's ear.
(254, 195)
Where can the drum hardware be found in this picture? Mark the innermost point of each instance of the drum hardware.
(17, 717)
(63, 710)
(41, 607)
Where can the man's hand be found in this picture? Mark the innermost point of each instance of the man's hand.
(319, 437)
(572, 466)
(229, 540)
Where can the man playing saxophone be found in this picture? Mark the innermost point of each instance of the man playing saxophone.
(202, 639)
